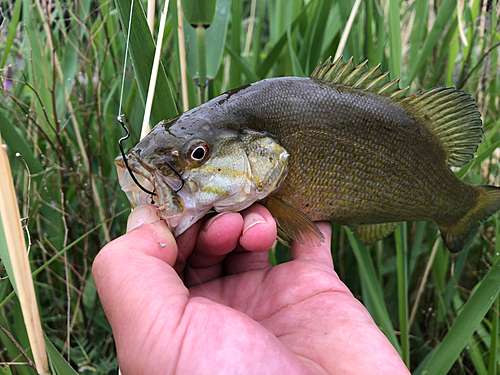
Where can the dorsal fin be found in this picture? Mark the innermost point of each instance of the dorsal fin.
(453, 118)
(359, 77)
(450, 114)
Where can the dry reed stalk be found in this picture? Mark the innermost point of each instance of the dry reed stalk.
(347, 29)
(423, 282)
(154, 73)
(151, 15)
(16, 247)
(182, 57)
(460, 11)
(250, 28)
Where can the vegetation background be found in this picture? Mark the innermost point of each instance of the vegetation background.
(61, 71)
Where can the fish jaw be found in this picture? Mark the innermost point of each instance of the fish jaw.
(170, 205)
(135, 195)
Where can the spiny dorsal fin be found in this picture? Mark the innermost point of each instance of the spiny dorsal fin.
(450, 114)
(360, 77)
(371, 233)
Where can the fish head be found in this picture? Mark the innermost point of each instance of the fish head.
(195, 169)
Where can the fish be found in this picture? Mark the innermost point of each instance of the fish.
(346, 144)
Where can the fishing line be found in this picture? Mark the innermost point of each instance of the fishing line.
(119, 117)
(125, 159)
(125, 62)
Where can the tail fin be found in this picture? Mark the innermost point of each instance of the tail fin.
(456, 236)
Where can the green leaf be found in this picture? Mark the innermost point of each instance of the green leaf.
(215, 41)
(367, 272)
(418, 32)
(5, 370)
(442, 19)
(38, 76)
(243, 65)
(275, 52)
(58, 364)
(17, 143)
(466, 323)
(395, 38)
(142, 50)
(402, 258)
(297, 69)
(199, 12)
(14, 21)
(7, 344)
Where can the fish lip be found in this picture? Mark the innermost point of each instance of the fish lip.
(141, 169)
(135, 166)
(170, 205)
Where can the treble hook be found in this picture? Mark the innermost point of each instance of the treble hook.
(125, 159)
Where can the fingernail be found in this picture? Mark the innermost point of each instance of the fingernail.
(138, 217)
(252, 220)
(209, 222)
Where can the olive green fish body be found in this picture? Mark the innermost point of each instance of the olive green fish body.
(345, 145)
(356, 158)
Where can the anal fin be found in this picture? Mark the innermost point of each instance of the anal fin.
(294, 223)
(371, 233)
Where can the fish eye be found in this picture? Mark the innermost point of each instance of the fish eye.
(198, 152)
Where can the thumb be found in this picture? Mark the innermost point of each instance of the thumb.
(147, 246)
(135, 280)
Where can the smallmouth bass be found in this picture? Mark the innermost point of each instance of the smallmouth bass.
(346, 145)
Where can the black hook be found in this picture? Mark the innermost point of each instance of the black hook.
(126, 163)
(178, 175)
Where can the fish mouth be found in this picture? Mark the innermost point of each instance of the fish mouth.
(176, 205)
(170, 204)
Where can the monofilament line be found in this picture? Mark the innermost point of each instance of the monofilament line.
(126, 57)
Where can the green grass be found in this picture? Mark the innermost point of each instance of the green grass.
(59, 111)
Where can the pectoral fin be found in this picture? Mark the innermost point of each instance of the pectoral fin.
(294, 223)
(371, 233)
(284, 238)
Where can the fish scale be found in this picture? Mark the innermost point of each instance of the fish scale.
(345, 145)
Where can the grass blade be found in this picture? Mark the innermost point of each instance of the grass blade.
(275, 52)
(243, 65)
(395, 39)
(442, 19)
(235, 73)
(367, 272)
(466, 323)
(18, 144)
(402, 257)
(12, 32)
(57, 362)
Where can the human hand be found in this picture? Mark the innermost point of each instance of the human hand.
(228, 311)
